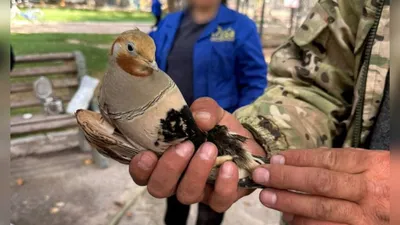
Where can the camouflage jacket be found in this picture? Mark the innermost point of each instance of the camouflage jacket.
(326, 82)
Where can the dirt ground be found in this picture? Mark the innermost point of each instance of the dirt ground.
(64, 188)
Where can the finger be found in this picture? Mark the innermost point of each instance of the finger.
(299, 220)
(225, 189)
(207, 194)
(168, 170)
(207, 113)
(314, 207)
(141, 166)
(191, 187)
(210, 189)
(312, 180)
(343, 160)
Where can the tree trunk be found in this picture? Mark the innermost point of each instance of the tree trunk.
(100, 3)
(124, 3)
(171, 5)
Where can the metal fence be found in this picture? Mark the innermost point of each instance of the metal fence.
(274, 10)
(275, 21)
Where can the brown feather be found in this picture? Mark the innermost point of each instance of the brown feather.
(104, 137)
(136, 65)
(144, 44)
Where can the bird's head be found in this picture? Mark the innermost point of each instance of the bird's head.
(134, 52)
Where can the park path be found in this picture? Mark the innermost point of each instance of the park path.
(77, 27)
(92, 28)
(273, 35)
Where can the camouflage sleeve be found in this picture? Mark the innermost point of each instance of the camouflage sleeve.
(310, 84)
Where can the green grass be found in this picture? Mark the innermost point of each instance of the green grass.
(79, 15)
(95, 47)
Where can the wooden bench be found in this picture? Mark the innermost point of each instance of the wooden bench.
(46, 133)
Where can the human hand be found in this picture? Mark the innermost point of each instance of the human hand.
(162, 176)
(343, 186)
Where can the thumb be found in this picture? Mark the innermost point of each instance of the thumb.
(207, 113)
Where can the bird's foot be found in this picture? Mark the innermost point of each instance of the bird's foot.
(231, 148)
(221, 159)
(245, 180)
(261, 159)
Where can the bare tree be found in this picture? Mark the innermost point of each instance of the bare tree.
(171, 5)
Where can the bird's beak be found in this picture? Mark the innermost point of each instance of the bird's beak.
(154, 65)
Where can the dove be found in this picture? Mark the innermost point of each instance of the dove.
(141, 108)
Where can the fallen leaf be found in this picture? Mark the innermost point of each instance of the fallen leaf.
(73, 41)
(54, 210)
(60, 204)
(88, 161)
(20, 181)
(129, 214)
(119, 204)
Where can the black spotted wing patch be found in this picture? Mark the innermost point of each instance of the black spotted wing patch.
(179, 125)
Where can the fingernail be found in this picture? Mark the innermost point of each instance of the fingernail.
(145, 162)
(287, 217)
(184, 149)
(268, 198)
(202, 115)
(207, 151)
(278, 159)
(261, 175)
(227, 170)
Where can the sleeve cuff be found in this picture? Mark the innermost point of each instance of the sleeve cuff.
(265, 133)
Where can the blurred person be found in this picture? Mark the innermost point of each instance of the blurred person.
(324, 119)
(157, 11)
(210, 50)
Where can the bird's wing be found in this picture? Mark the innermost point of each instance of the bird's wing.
(105, 137)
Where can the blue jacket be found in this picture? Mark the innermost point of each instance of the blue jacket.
(156, 8)
(228, 62)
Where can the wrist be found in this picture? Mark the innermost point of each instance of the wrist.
(265, 133)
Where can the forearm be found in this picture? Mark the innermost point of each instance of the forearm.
(310, 86)
(297, 110)
(281, 122)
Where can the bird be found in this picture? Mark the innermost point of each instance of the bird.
(141, 108)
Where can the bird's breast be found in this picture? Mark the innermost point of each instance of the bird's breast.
(158, 126)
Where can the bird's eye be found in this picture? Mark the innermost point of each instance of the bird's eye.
(130, 47)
